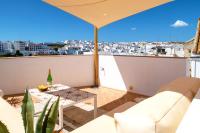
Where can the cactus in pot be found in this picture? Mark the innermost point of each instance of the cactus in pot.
(3, 128)
(46, 121)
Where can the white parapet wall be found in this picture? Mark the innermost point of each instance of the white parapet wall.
(17, 74)
(142, 75)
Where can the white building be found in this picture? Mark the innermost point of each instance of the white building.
(74, 50)
(1, 47)
(8, 47)
(38, 48)
(19, 45)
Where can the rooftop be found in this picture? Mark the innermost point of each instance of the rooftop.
(100, 93)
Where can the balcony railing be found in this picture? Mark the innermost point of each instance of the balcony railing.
(195, 67)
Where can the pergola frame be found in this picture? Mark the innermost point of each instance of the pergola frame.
(100, 13)
(96, 58)
(196, 45)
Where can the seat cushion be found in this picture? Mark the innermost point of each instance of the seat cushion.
(11, 117)
(171, 120)
(140, 123)
(102, 124)
(191, 119)
(161, 109)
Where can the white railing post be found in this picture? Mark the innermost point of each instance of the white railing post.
(188, 68)
(194, 63)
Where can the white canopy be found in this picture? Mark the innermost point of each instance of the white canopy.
(102, 12)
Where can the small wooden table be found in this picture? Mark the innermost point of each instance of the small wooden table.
(68, 97)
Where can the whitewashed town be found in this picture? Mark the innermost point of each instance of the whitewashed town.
(78, 47)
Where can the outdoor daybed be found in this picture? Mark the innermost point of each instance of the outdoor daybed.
(161, 113)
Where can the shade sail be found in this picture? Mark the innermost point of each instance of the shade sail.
(102, 12)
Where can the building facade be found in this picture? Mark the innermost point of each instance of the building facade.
(19, 45)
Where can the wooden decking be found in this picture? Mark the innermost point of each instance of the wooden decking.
(107, 100)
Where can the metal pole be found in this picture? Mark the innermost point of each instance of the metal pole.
(96, 58)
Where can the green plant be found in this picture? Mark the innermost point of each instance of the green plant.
(47, 119)
(3, 128)
(27, 113)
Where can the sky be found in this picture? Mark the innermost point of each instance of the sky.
(37, 21)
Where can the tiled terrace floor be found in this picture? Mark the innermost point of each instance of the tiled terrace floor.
(107, 99)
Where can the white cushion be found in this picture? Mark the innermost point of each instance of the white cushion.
(134, 124)
(102, 124)
(161, 113)
(191, 119)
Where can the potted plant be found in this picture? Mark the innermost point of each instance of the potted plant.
(46, 121)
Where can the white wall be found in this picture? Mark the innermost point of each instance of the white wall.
(143, 74)
(195, 67)
(18, 73)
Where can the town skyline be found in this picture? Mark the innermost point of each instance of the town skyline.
(79, 47)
